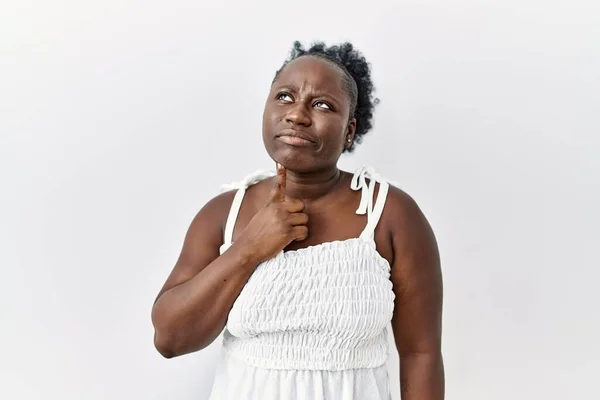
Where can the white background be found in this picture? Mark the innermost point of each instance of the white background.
(120, 119)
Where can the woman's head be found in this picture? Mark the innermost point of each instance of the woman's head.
(324, 96)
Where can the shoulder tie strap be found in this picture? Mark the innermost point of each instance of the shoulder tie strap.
(366, 206)
(241, 187)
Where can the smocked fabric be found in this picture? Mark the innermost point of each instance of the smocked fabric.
(312, 323)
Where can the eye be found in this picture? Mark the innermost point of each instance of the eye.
(323, 105)
(284, 97)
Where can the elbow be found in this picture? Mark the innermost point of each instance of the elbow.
(171, 342)
(163, 346)
(172, 345)
(176, 338)
(164, 340)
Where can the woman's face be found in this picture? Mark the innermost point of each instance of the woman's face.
(306, 121)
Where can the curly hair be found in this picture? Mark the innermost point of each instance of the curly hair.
(357, 80)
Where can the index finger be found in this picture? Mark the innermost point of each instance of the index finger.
(281, 181)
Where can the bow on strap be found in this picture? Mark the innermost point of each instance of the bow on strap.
(359, 182)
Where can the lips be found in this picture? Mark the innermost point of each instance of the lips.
(295, 136)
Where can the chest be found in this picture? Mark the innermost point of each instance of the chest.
(337, 289)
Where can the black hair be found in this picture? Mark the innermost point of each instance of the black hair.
(357, 80)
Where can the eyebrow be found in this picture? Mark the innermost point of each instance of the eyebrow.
(322, 94)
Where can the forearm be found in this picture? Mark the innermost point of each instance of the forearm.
(190, 316)
(422, 376)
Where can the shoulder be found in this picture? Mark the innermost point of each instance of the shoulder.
(409, 228)
(400, 205)
(213, 215)
(221, 202)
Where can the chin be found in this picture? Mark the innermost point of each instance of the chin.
(293, 160)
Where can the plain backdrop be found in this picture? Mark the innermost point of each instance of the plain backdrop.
(120, 119)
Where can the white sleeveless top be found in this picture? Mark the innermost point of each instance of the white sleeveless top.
(311, 323)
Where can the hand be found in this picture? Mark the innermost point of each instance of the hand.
(277, 224)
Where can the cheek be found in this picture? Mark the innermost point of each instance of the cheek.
(270, 119)
(275, 119)
(334, 136)
(267, 124)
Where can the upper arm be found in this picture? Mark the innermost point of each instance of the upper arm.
(202, 241)
(416, 277)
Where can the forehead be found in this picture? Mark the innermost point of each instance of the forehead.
(312, 72)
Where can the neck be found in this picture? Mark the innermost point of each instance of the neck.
(311, 185)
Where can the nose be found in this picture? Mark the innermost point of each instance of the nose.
(297, 115)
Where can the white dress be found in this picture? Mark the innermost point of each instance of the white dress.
(311, 324)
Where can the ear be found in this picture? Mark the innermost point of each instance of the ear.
(350, 131)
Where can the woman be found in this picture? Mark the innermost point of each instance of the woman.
(305, 268)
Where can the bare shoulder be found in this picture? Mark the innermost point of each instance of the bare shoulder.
(409, 229)
(401, 209)
(214, 213)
